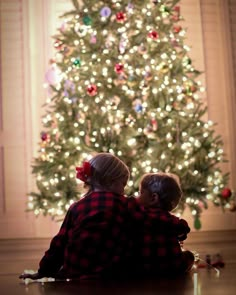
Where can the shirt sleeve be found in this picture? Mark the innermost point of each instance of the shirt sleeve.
(182, 229)
(170, 222)
(53, 258)
(158, 217)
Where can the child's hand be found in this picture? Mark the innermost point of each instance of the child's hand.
(34, 276)
(182, 237)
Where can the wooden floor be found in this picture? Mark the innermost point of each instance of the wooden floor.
(201, 282)
(18, 255)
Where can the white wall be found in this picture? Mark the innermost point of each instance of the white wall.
(26, 46)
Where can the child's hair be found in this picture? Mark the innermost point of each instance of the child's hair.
(102, 171)
(166, 186)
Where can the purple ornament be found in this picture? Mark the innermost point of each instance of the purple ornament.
(138, 108)
(63, 26)
(52, 75)
(130, 6)
(122, 46)
(105, 11)
(66, 93)
(74, 99)
(69, 85)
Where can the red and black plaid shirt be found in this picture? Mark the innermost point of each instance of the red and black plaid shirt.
(155, 241)
(92, 239)
(103, 229)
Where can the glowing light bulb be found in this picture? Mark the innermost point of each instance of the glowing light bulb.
(130, 183)
(131, 141)
(30, 206)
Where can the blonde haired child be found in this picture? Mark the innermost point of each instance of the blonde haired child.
(92, 239)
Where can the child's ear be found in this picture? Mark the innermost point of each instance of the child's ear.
(154, 199)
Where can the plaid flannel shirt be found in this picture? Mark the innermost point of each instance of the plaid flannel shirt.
(106, 234)
(92, 239)
(155, 242)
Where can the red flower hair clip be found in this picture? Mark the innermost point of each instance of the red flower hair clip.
(84, 172)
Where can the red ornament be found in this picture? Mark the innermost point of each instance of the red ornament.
(58, 45)
(226, 193)
(177, 29)
(119, 68)
(92, 90)
(154, 124)
(44, 136)
(174, 43)
(176, 13)
(120, 17)
(177, 9)
(175, 18)
(52, 61)
(153, 35)
(193, 88)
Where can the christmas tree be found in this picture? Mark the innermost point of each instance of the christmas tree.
(122, 81)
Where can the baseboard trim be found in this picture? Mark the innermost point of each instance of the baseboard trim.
(213, 242)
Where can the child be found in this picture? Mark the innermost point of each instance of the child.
(92, 239)
(156, 247)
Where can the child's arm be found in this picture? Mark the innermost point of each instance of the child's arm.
(32, 276)
(158, 217)
(182, 229)
(53, 258)
(182, 237)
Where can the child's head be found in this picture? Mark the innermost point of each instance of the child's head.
(107, 173)
(160, 190)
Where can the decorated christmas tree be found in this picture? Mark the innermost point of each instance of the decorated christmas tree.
(122, 81)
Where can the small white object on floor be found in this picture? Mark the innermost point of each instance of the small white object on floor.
(42, 280)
